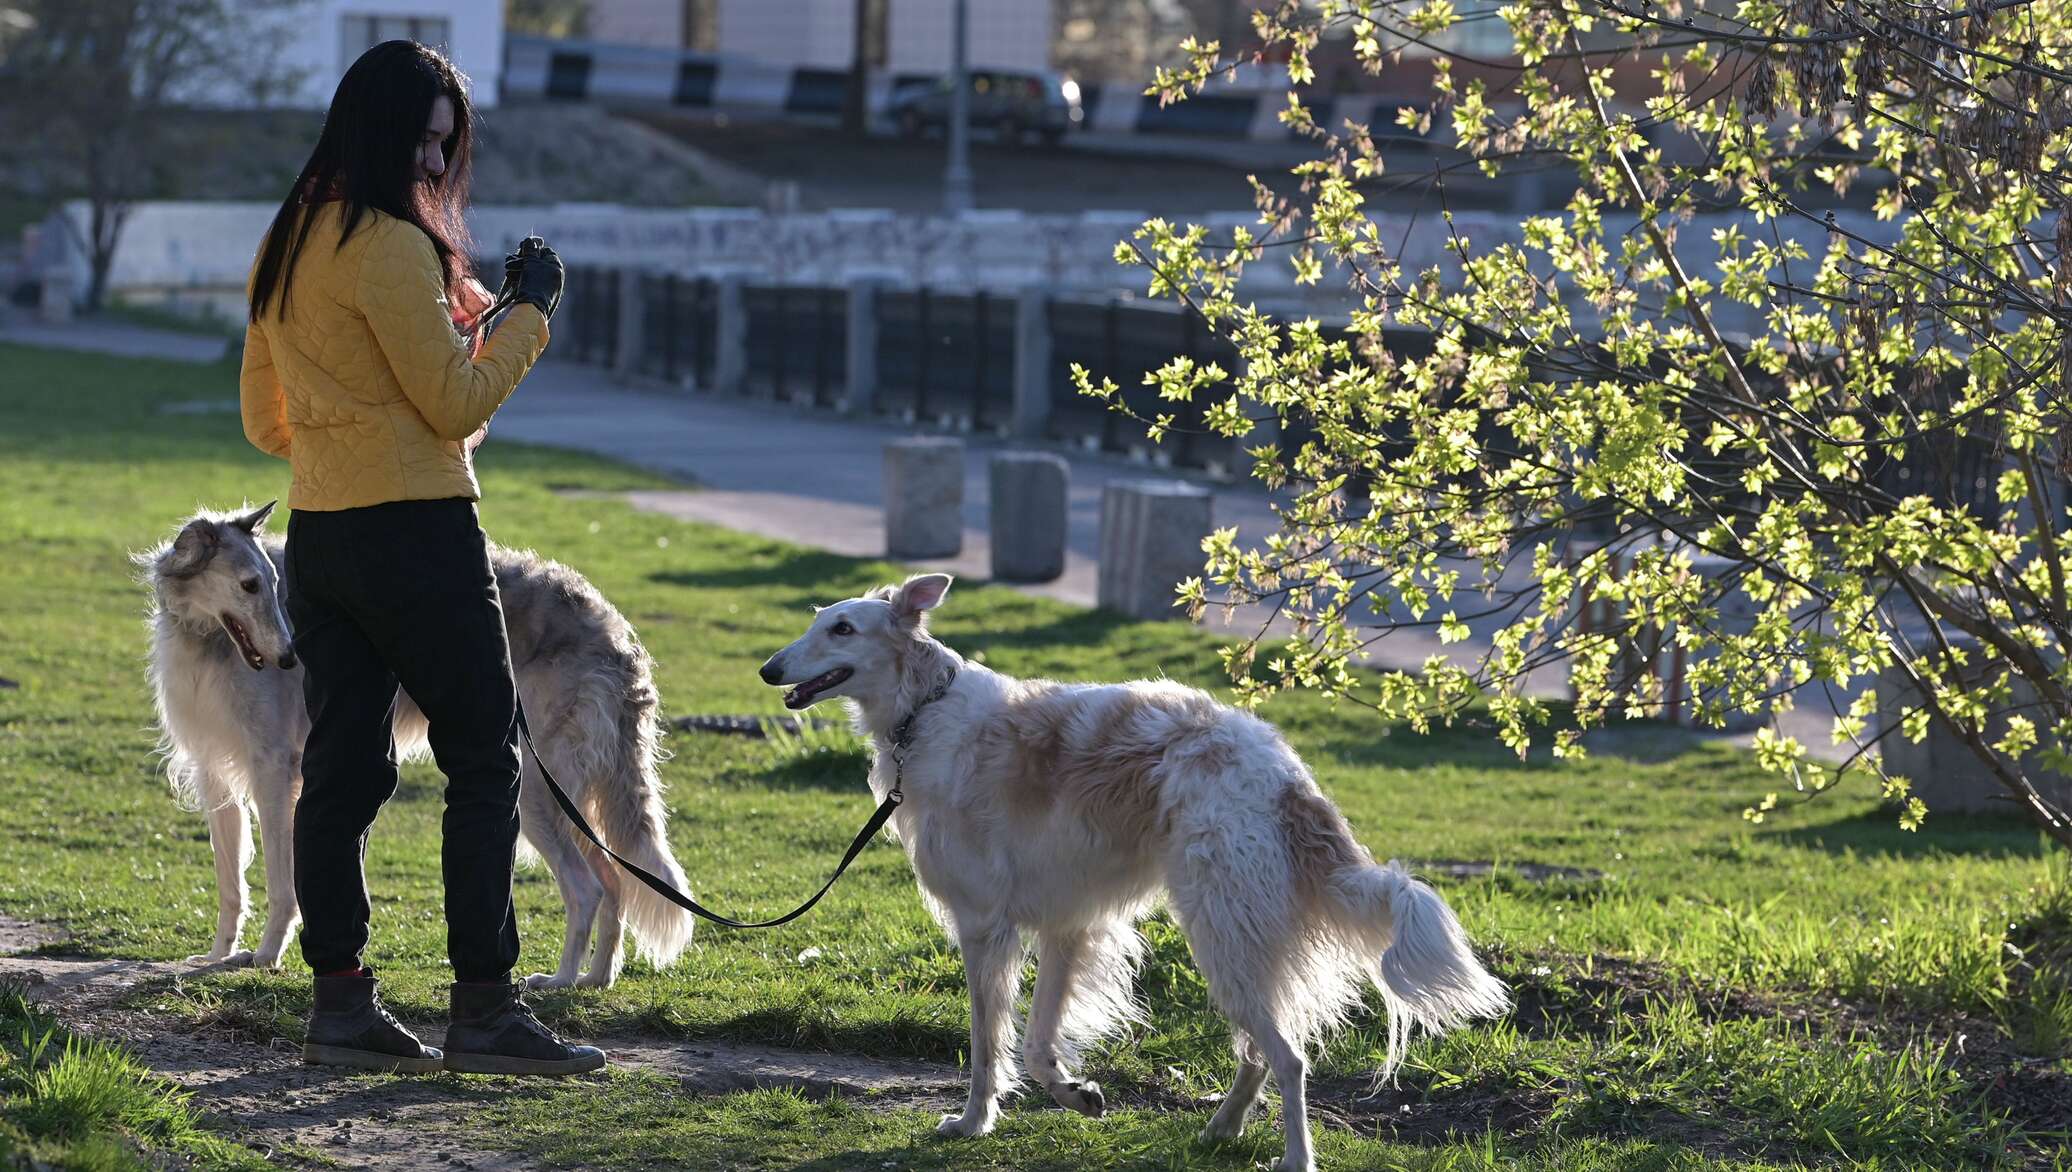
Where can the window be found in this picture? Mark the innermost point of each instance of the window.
(363, 32)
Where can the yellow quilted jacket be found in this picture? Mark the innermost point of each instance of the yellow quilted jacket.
(366, 388)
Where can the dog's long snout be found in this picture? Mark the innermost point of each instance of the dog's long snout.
(773, 669)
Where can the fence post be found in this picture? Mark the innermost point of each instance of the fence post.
(1111, 367)
(922, 353)
(1032, 399)
(818, 298)
(779, 393)
(627, 346)
(860, 363)
(669, 327)
(730, 335)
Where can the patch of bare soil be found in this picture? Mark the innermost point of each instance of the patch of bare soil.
(265, 1097)
(24, 935)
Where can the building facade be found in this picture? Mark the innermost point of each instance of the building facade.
(901, 36)
(317, 40)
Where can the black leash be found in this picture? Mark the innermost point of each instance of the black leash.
(902, 740)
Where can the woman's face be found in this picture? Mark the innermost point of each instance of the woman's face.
(431, 146)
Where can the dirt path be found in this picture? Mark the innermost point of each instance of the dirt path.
(294, 1113)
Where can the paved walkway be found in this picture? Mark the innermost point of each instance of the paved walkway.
(107, 337)
(810, 477)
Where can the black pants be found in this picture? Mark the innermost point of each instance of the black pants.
(388, 594)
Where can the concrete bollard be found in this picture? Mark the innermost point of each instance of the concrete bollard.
(1151, 534)
(1027, 503)
(1945, 774)
(54, 302)
(924, 497)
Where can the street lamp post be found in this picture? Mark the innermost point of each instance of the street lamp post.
(956, 179)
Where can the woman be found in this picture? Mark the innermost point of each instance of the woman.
(355, 372)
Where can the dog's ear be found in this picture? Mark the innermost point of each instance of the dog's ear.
(193, 548)
(252, 521)
(922, 592)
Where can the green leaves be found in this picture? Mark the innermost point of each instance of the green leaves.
(1849, 483)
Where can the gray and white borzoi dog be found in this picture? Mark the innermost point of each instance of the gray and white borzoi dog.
(231, 716)
(1063, 811)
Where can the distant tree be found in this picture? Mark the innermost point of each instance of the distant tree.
(93, 81)
(1119, 40)
(856, 101)
(1822, 470)
(550, 18)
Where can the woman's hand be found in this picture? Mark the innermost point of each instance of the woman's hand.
(469, 301)
(533, 274)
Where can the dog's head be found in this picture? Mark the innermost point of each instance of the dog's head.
(214, 573)
(856, 647)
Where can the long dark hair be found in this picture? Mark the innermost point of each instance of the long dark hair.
(365, 158)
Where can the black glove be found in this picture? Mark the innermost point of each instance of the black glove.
(533, 274)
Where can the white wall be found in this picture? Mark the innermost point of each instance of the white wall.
(310, 40)
(812, 33)
(1013, 34)
(655, 23)
(1005, 34)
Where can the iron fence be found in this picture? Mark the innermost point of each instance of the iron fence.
(797, 343)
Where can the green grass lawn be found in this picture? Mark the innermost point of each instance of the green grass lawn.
(1775, 994)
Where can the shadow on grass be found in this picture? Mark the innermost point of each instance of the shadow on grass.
(814, 575)
(837, 771)
(1877, 833)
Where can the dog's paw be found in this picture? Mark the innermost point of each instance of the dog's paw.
(1228, 1122)
(229, 960)
(548, 981)
(1084, 1097)
(966, 1125)
(266, 960)
(596, 980)
(1292, 1164)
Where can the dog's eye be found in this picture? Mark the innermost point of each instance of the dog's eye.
(842, 628)
(251, 585)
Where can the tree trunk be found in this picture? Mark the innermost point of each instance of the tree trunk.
(856, 110)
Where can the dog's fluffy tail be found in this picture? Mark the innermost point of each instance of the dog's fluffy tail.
(636, 824)
(1401, 930)
(1426, 969)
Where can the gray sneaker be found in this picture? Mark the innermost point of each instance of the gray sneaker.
(493, 1032)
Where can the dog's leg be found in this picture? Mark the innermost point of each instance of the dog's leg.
(992, 969)
(1290, 1072)
(275, 796)
(550, 835)
(605, 955)
(1059, 955)
(1236, 1111)
(230, 841)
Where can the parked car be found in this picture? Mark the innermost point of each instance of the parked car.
(1013, 104)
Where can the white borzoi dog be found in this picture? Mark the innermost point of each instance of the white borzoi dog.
(230, 712)
(1063, 811)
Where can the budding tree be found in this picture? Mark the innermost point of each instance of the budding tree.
(1815, 282)
(93, 84)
